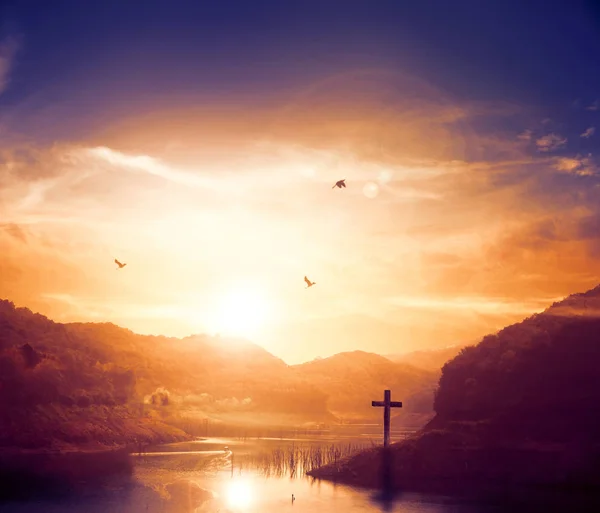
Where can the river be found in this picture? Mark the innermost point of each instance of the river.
(218, 475)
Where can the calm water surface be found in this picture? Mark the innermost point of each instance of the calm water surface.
(234, 476)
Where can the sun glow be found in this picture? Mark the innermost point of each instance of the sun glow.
(242, 311)
(239, 494)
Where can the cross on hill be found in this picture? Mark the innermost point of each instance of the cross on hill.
(387, 404)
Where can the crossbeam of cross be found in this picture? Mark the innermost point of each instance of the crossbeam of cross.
(387, 404)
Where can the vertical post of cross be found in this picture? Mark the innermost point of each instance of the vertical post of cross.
(387, 404)
(387, 399)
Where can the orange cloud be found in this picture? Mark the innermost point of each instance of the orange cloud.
(550, 142)
(443, 216)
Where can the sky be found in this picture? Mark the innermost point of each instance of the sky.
(199, 141)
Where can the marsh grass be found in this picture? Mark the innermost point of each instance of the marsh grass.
(297, 459)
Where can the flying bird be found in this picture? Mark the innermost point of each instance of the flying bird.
(340, 184)
(308, 282)
(119, 264)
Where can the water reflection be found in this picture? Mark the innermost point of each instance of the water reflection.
(385, 500)
(197, 478)
(239, 494)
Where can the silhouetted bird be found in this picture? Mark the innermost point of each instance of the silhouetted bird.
(308, 282)
(293, 498)
(119, 264)
(340, 184)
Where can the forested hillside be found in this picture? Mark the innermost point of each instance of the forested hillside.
(77, 384)
(352, 380)
(57, 391)
(538, 378)
(520, 407)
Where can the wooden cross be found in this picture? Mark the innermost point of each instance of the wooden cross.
(387, 403)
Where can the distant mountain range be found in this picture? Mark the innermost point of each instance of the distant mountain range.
(82, 383)
(353, 379)
(337, 334)
(519, 408)
(331, 335)
(433, 359)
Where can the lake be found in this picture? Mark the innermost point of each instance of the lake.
(218, 475)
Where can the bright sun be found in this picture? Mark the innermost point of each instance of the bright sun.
(242, 311)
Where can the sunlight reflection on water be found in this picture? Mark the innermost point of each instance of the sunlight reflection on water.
(211, 481)
(239, 494)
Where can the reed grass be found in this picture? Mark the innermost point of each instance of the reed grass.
(297, 459)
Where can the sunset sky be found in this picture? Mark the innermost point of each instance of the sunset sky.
(199, 141)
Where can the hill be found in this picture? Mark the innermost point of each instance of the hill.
(56, 392)
(432, 359)
(83, 384)
(351, 380)
(332, 335)
(517, 408)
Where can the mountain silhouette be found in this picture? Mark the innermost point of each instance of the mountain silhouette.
(353, 379)
(432, 359)
(96, 383)
(520, 408)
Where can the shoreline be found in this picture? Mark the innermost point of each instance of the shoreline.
(439, 462)
(65, 469)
